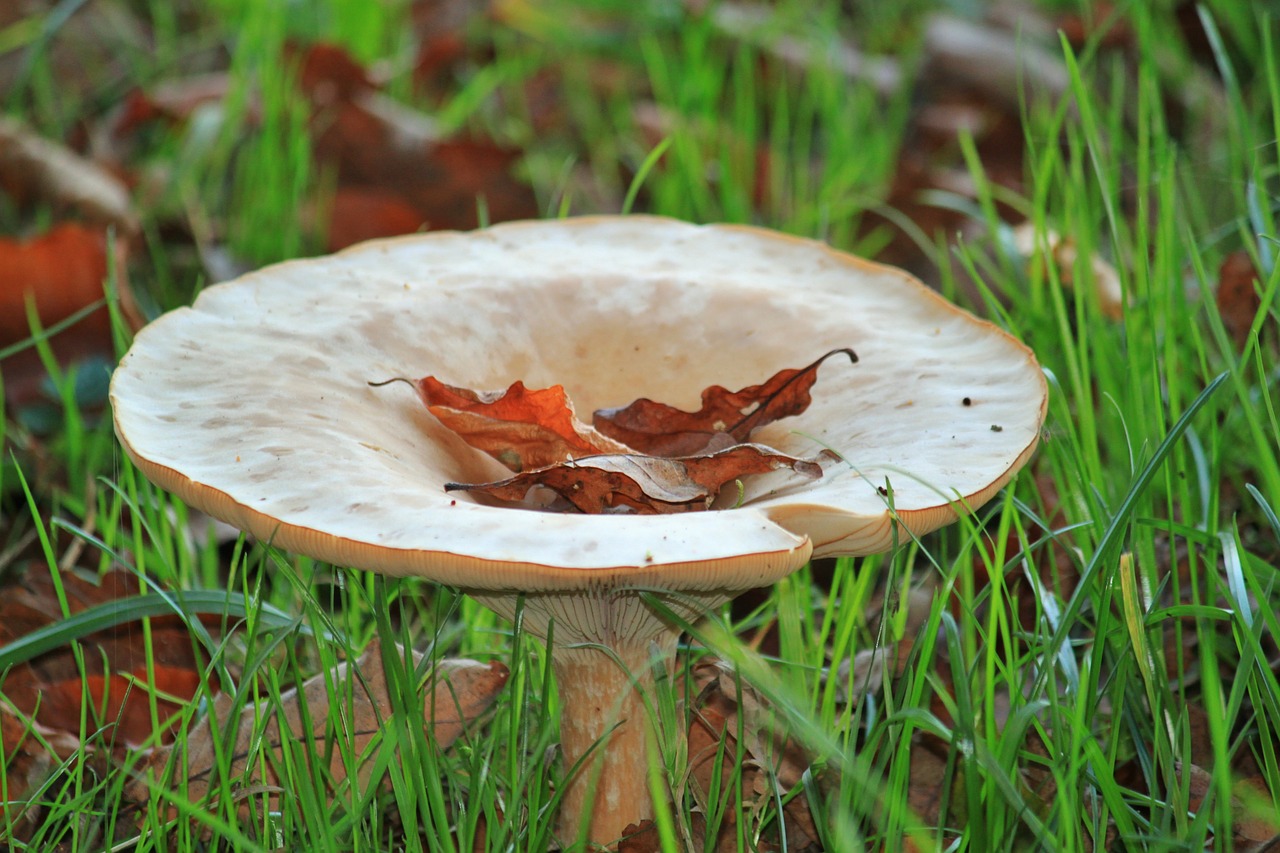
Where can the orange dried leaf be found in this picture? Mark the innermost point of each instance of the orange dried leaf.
(663, 430)
(374, 142)
(127, 665)
(645, 484)
(367, 213)
(522, 428)
(61, 271)
(121, 701)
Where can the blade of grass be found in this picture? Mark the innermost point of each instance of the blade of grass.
(1111, 538)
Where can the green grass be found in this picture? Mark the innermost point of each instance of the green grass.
(1104, 625)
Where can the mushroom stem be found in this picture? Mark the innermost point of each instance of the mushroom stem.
(604, 723)
(606, 641)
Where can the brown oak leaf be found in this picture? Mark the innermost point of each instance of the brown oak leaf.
(645, 484)
(663, 430)
(523, 428)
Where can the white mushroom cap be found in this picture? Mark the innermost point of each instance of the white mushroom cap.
(253, 404)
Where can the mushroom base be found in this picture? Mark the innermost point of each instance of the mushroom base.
(606, 645)
(604, 737)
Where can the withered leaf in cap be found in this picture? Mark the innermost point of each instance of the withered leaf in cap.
(663, 430)
(646, 484)
(523, 428)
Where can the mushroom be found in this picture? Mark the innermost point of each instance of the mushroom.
(254, 406)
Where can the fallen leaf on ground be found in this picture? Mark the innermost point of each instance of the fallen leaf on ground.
(724, 710)
(458, 691)
(59, 273)
(643, 837)
(872, 671)
(47, 702)
(328, 74)
(366, 213)
(121, 701)
(34, 169)
(395, 171)
(1238, 302)
(975, 81)
(1255, 823)
(662, 430)
(436, 63)
(645, 484)
(1256, 817)
(51, 687)
(375, 142)
(1081, 28)
(31, 751)
(640, 838)
(1063, 253)
(522, 428)
(927, 781)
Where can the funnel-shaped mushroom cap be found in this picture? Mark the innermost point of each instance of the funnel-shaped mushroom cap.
(254, 404)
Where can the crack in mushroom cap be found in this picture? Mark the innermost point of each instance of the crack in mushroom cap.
(252, 404)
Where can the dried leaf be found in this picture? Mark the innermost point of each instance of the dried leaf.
(36, 169)
(61, 271)
(1255, 817)
(722, 710)
(928, 777)
(327, 73)
(663, 430)
(640, 838)
(120, 701)
(121, 668)
(459, 691)
(645, 484)
(375, 142)
(1080, 28)
(31, 751)
(366, 213)
(1238, 301)
(436, 64)
(1063, 253)
(522, 428)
